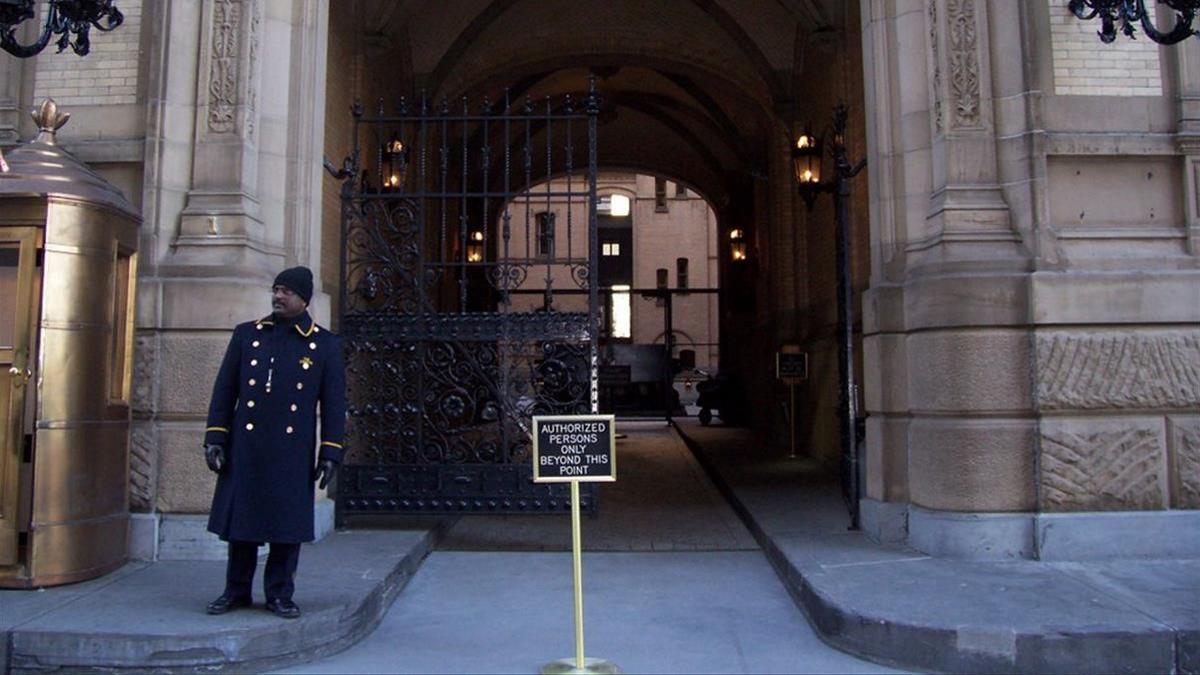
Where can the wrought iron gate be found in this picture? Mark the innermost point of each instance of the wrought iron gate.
(446, 363)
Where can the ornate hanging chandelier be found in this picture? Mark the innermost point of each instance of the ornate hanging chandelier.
(1128, 14)
(63, 18)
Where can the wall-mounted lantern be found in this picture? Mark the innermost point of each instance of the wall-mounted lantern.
(394, 164)
(475, 246)
(737, 245)
(806, 163)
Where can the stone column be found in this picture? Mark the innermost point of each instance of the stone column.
(246, 115)
(946, 342)
(222, 222)
(1187, 138)
(968, 217)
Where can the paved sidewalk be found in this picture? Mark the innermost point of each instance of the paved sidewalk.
(896, 605)
(150, 616)
(662, 501)
(647, 612)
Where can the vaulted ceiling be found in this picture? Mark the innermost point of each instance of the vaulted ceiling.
(692, 89)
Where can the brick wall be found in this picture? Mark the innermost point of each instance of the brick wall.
(108, 75)
(1085, 66)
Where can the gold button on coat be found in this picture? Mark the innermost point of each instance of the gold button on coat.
(254, 362)
(294, 407)
(299, 385)
(249, 426)
(289, 430)
(249, 404)
(254, 344)
(252, 382)
(312, 345)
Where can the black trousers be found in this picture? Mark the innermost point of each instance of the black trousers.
(278, 577)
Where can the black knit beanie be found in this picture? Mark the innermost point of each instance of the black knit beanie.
(299, 279)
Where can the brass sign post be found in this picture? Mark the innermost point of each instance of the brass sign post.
(791, 367)
(575, 449)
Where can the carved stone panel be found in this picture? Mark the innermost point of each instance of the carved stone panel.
(1184, 452)
(223, 68)
(145, 375)
(936, 70)
(963, 56)
(143, 466)
(1102, 466)
(233, 67)
(1122, 370)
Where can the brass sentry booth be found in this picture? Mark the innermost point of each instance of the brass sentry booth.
(68, 242)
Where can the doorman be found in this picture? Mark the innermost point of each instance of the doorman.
(278, 372)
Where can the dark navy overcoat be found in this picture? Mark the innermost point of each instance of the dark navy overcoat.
(275, 377)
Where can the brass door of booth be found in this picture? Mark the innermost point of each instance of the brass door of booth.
(18, 262)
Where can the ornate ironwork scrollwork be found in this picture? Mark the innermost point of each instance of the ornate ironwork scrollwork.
(63, 18)
(1128, 14)
(444, 370)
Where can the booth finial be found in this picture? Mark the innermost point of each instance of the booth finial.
(49, 120)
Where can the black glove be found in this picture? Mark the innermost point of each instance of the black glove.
(215, 456)
(325, 470)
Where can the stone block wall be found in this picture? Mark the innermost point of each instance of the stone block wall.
(1084, 66)
(107, 76)
(1140, 454)
(1034, 316)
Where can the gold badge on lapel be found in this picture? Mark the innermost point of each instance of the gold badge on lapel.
(305, 362)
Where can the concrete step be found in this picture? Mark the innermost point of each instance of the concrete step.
(150, 616)
(900, 607)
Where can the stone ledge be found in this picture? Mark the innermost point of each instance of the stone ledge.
(897, 606)
(150, 616)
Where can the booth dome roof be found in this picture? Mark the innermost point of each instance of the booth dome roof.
(42, 167)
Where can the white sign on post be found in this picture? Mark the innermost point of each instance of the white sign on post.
(576, 449)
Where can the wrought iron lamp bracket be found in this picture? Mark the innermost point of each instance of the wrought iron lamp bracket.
(1129, 13)
(63, 17)
(835, 134)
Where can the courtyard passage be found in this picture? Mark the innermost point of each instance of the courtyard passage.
(673, 583)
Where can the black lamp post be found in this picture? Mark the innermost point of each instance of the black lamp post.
(1128, 13)
(806, 161)
(63, 18)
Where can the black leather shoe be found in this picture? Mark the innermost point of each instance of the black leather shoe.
(285, 609)
(226, 603)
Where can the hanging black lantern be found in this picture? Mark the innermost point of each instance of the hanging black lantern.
(394, 167)
(63, 18)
